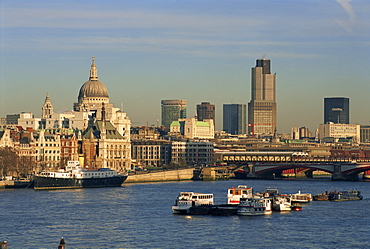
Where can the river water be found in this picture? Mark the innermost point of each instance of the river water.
(139, 216)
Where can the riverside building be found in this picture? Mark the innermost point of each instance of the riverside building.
(111, 150)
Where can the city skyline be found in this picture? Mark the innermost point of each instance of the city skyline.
(196, 51)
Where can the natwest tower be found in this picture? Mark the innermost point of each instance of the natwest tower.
(262, 107)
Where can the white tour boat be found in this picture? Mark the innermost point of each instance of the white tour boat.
(254, 206)
(192, 203)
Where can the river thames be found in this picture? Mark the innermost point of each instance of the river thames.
(139, 216)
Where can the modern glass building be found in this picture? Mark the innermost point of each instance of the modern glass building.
(172, 110)
(336, 110)
(234, 118)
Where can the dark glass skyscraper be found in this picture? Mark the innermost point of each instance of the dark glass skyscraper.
(336, 110)
(234, 118)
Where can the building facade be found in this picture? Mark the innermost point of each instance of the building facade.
(191, 128)
(234, 118)
(336, 131)
(336, 110)
(112, 149)
(192, 153)
(262, 107)
(365, 133)
(300, 132)
(152, 153)
(172, 110)
(206, 111)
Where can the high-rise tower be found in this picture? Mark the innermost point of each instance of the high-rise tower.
(206, 111)
(262, 107)
(234, 118)
(172, 110)
(336, 110)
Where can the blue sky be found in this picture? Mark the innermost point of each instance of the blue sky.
(195, 50)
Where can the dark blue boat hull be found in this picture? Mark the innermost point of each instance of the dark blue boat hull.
(41, 182)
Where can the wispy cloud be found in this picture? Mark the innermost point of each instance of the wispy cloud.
(347, 25)
(93, 19)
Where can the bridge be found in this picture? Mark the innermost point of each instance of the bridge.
(269, 165)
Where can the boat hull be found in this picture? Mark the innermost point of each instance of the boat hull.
(252, 211)
(345, 196)
(41, 182)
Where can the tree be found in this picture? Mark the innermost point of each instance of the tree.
(8, 161)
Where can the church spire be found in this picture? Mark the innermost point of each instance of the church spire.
(47, 108)
(93, 70)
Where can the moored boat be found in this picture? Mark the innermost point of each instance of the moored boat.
(74, 176)
(254, 206)
(193, 203)
(351, 195)
(321, 196)
(281, 203)
(301, 197)
(235, 193)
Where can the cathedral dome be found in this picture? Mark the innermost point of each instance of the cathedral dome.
(93, 88)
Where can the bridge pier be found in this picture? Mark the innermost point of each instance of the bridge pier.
(339, 176)
(309, 173)
(252, 173)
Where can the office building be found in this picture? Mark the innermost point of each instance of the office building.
(336, 131)
(234, 118)
(193, 129)
(206, 111)
(262, 107)
(192, 152)
(172, 110)
(336, 110)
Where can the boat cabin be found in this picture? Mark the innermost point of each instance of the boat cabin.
(198, 198)
(235, 193)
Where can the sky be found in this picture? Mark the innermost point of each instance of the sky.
(196, 50)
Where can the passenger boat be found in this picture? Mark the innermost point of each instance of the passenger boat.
(351, 195)
(254, 206)
(235, 193)
(281, 203)
(74, 176)
(193, 203)
(301, 197)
